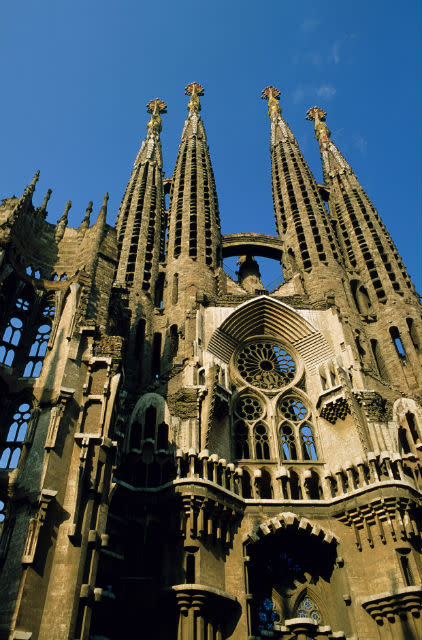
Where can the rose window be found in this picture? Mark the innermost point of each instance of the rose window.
(266, 365)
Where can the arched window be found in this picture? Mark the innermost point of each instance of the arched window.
(149, 424)
(175, 289)
(249, 428)
(11, 336)
(267, 615)
(174, 340)
(308, 444)
(242, 449)
(12, 446)
(265, 485)
(246, 484)
(162, 436)
(308, 609)
(395, 336)
(37, 352)
(288, 443)
(262, 447)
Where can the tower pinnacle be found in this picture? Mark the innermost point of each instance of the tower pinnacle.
(322, 132)
(272, 95)
(194, 90)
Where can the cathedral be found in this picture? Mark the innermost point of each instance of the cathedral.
(185, 455)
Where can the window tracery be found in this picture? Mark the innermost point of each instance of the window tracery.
(249, 427)
(12, 445)
(266, 365)
(296, 435)
(308, 609)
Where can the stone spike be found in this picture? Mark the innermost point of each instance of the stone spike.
(43, 208)
(62, 223)
(87, 218)
(102, 216)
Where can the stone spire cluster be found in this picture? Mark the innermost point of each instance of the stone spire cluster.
(185, 455)
(367, 245)
(302, 222)
(141, 220)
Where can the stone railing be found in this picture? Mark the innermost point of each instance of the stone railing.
(310, 480)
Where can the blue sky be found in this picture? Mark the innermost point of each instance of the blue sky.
(76, 77)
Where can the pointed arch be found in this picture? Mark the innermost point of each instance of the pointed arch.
(270, 317)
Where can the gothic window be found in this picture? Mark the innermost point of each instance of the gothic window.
(242, 440)
(11, 338)
(262, 448)
(395, 336)
(249, 427)
(174, 340)
(308, 609)
(267, 615)
(308, 444)
(246, 484)
(295, 433)
(266, 365)
(288, 443)
(150, 419)
(37, 352)
(12, 445)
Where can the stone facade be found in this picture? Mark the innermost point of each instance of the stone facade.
(188, 456)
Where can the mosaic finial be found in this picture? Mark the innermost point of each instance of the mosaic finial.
(322, 133)
(273, 96)
(194, 90)
(156, 107)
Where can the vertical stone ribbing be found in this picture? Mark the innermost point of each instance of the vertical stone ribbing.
(141, 216)
(367, 245)
(194, 229)
(301, 218)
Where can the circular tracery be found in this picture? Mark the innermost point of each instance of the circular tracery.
(293, 408)
(266, 365)
(249, 408)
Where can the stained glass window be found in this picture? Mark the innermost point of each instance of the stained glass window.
(308, 609)
(267, 615)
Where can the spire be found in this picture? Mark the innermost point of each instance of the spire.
(141, 219)
(43, 208)
(151, 146)
(87, 218)
(193, 125)
(194, 229)
(102, 216)
(62, 223)
(301, 217)
(332, 161)
(24, 200)
(29, 191)
(367, 246)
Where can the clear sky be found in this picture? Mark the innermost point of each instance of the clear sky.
(76, 77)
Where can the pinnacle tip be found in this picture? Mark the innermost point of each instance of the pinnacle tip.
(194, 87)
(270, 91)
